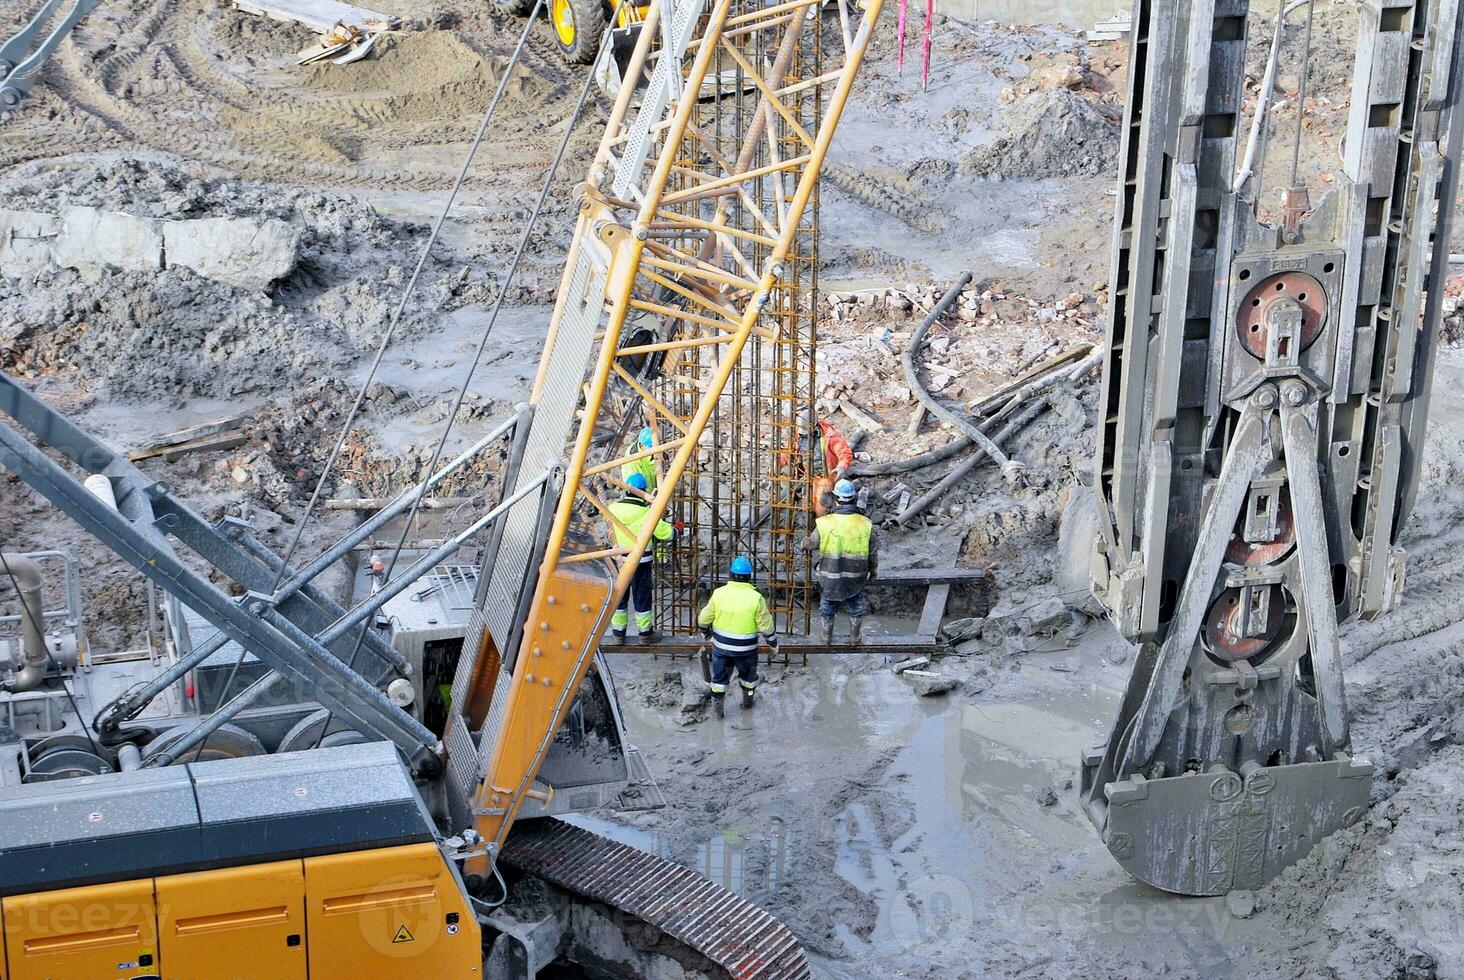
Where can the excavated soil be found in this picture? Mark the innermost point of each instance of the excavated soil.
(899, 836)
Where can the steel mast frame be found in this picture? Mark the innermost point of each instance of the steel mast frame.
(617, 269)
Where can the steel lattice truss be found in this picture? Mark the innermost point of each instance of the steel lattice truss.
(690, 248)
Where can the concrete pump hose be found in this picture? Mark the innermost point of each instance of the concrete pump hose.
(913, 463)
(25, 575)
(1009, 469)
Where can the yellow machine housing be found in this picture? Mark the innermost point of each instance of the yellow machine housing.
(321, 864)
(392, 912)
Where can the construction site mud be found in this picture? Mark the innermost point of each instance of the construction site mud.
(897, 835)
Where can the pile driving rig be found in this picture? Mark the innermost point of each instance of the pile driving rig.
(1265, 395)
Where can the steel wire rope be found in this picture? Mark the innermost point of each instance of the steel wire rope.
(386, 342)
(1306, 58)
(407, 291)
(492, 321)
(518, 255)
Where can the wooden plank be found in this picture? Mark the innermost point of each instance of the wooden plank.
(193, 432)
(862, 418)
(206, 444)
(934, 610)
(901, 577)
(318, 15)
(793, 645)
(381, 503)
(928, 576)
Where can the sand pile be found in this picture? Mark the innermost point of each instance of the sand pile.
(418, 78)
(1050, 133)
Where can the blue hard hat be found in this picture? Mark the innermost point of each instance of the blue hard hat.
(647, 438)
(741, 566)
(846, 490)
(636, 481)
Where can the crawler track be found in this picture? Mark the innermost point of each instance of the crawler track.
(218, 89)
(723, 927)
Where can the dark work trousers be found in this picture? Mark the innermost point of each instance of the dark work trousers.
(640, 590)
(723, 665)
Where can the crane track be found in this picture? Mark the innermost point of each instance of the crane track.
(720, 925)
(158, 77)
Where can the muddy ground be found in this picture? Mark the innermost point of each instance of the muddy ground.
(898, 836)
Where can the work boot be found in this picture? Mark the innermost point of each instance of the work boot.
(856, 627)
(647, 638)
(828, 629)
(616, 637)
(748, 699)
(719, 705)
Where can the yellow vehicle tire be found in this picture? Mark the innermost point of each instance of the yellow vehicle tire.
(578, 26)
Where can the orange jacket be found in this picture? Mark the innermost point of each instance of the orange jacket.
(836, 452)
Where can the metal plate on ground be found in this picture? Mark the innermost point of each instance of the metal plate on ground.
(641, 792)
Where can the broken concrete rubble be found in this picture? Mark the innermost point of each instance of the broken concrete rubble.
(958, 630)
(929, 684)
(1045, 616)
(913, 663)
(25, 242)
(90, 238)
(246, 252)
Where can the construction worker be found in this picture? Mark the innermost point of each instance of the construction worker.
(733, 619)
(836, 456)
(646, 465)
(847, 560)
(631, 511)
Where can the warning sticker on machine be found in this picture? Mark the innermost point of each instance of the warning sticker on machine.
(403, 935)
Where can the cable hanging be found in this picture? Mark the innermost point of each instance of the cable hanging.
(385, 342)
(407, 293)
(508, 279)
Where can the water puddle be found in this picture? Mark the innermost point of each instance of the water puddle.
(980, 856)
(955, 841)
(433, 365)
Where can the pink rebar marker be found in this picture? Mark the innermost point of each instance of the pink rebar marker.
(925, 63)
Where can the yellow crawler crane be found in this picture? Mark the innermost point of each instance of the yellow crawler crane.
(306, 816)
(579, 24)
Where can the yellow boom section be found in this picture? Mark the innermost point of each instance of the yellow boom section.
(662, 250)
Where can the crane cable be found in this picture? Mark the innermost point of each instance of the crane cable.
(386, 342)
(518, 255)
(407, 292)
(1256, 139)
(513, 267)
(1306, 52)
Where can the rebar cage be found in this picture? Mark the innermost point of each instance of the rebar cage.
(747, 488)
